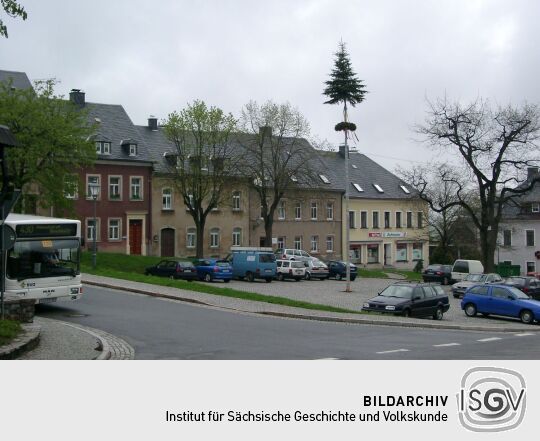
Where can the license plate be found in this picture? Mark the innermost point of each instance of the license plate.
(47, 300)
(268, 271)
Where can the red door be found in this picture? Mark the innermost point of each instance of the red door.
(135, 236)
(167, 242)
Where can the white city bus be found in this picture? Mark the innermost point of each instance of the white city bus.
(44, 263)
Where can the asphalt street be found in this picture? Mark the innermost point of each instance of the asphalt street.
(167, 329)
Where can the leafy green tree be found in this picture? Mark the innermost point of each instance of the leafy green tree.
(12, 9)
(203, 161)
(54, 142)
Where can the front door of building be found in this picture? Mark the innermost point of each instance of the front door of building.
(135, 236)
(387, 254)
(167, 242)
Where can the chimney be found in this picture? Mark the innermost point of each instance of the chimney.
(342, 151)
(152, 123)
(265, 131)
(76, 96)
(532, 172)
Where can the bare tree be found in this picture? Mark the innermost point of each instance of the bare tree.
(494, 145)
(203, 161)
(277, 157)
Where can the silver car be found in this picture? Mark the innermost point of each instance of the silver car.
(316, 269)
(459, 288)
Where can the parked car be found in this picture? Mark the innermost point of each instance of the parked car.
(459, 288)
(252, 263)
(462, 268)
(174, 269)
(316, 269)
(438, 273)
(410, 300)
(338, 270)
(500, 300)
(213, 269)
(290, 269)
(529, 285)
(292, 254)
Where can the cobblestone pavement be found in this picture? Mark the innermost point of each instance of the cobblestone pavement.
(327, 292)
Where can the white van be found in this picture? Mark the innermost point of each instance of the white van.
(462, 268)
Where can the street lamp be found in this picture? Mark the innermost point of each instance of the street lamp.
(94, 193)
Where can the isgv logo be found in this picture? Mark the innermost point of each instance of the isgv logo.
(491, 399)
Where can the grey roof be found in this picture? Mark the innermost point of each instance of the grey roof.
(158, 146)
(115, 126)
(513, 208)
(19, 79)
(366, 173)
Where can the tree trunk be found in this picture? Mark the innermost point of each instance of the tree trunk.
(268, 224)
(487, 248)
(199, 250)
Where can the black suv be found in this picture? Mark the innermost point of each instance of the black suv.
(410, 299)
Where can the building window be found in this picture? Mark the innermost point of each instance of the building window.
(420, 219)
(115, 186)
(314, 211)
(90, 229)
(507, 238)
(281, 210)
(535, 207)
(93, 181)
(236, 201)
(133, 150)
(71, 186)
(166, 199)
(373, 253)
(352, 219)
(398, 219)
(409, 219)
(281, 242)
(114, 229)
(329, 211)
(375, 219)
(236, 237)
(298, 243)
(386, 219)
(363, 219)
(531, 267)
(298, 211)
(103, 148)
(214, 238)
(401, 252)
(529, 238)
(329, 244)
(136, 188)
(314, 244)
(191, 238)
(417, 253)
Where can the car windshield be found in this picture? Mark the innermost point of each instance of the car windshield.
(434, 267)
(267, 258)
(296, 264)
(222, 263)
(43, 258)
(517, 293)
(475, 278)
(519, 281)
(400, 291)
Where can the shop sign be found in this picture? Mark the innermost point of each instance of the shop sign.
(388, 234)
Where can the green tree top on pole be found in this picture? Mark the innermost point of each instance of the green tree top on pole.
(343, 85)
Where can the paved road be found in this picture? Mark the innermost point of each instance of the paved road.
(167, 329)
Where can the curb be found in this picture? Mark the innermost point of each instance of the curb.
(103, 343)
(356, 321)
(28, 340)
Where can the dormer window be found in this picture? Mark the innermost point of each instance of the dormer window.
(129, 146)
(535, 207)
(378, 188)
(405, 189)
(133, 150)
(103, 147)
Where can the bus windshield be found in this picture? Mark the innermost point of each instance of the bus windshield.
(30, 259)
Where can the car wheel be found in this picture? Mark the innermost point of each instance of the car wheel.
(445, 281)
(250, 277)
(339, 276)
(406, 313)
(307, 276)
(456, 296)
(526, 316)
(470, 310)
(353, 279)
(207, 277)
(438, 314)
(268, 280)
(280, 277)
(226, 280)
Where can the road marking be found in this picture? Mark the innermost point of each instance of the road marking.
(525, 334)
(489, 339)
(446, 344)
(394, 350)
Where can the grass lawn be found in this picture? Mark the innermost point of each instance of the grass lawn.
(121, 266)
(9, 329)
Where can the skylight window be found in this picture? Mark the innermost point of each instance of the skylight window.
(354, 166)
(293, 178)
(405, 189)
(324, 179)
(378, 188)
(358, 188)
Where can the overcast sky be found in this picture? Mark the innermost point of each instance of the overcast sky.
(154, 57)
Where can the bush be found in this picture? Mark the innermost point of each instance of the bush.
(419, 266)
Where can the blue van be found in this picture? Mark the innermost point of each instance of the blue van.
(253, 263)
